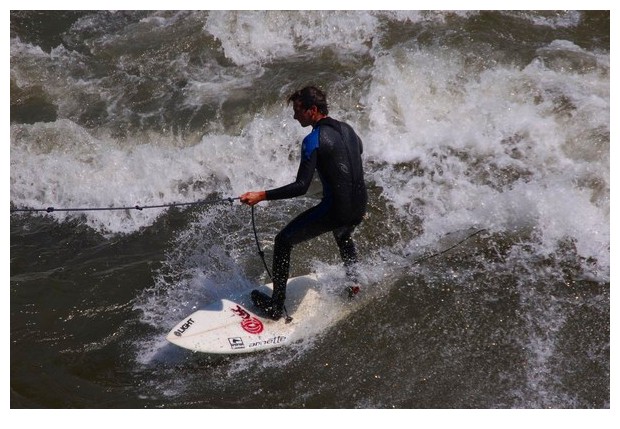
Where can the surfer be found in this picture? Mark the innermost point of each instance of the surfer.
(334, 150)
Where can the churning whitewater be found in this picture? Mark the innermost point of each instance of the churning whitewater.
(492, 121)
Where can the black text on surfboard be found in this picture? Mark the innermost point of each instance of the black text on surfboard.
(184, 327)
(275, 340)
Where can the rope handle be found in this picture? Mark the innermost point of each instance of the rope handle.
(260, 251)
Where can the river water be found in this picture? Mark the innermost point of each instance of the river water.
(487, 146)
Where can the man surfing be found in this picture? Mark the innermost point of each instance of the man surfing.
(335, 151)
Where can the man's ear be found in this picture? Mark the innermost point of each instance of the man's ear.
(314, 111)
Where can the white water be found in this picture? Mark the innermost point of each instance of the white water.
(502, 148)
(454, 138)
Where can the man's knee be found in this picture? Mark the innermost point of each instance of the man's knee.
(283, 241)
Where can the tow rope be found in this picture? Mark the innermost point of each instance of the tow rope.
(136, 207)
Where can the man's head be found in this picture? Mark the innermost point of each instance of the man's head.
(309, 105)
(310, 96)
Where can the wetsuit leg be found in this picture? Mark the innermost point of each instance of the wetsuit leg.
(348, 252)
(311, 223)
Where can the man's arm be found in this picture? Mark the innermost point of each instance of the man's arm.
(298, 187)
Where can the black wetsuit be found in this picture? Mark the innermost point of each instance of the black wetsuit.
(334, 150)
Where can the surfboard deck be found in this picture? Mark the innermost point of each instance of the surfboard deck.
(231, 326)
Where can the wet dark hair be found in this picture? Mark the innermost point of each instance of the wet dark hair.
(310, 96)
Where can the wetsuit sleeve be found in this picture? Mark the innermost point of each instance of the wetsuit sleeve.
(302, 182)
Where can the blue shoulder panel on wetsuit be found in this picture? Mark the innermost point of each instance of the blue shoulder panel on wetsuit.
(310, 143)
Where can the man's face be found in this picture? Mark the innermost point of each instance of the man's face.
(304, 116)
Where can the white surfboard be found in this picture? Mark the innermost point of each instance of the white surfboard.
(231, 326)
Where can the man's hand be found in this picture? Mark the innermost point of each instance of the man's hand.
(251, 198)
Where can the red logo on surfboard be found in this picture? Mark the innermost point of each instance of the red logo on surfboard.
(249, 324)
